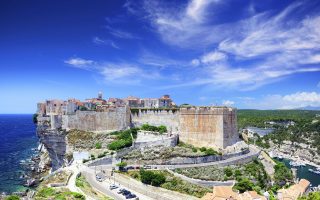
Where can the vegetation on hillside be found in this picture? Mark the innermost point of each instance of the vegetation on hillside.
(58, 194)
(83, 184)
(306, 129)
(161, 129)
(124, 138)
(168, 181)
(12, 197)
(311, 196)
(250, 176)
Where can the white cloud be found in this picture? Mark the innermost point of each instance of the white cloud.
(120, 33)
(195, 62)
(196, 9)
(185, 26)
(213, 57)
(117, 72)
(289, 101)
(228, 103)
(100, 41)
(80, 63)
(309, 98)
(276, 47)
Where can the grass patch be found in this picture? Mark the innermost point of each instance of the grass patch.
(57, 194)
(168, 181)
(83, 184)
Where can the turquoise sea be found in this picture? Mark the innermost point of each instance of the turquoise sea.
(302, 172)
(17, 143)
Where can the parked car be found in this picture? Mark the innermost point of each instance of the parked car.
(113, 186)
(130, 167)
(125, 192)
(130, 196)
(137, 167)
(98, 178)
(147, 167)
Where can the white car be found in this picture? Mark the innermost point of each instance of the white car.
(98, 178)
(113, 186)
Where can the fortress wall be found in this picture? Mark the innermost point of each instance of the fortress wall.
(156, 118)
(230, 129)
(208, 126)
(113, 119)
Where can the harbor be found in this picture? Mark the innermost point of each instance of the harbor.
(305, 171)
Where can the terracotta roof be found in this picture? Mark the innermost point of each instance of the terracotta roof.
(294, 191)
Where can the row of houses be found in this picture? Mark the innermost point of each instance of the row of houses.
(70, 106)
(227, 193)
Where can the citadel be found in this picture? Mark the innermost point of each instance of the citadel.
(206, 126)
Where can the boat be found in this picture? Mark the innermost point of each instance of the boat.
(296, 164)
(314, 171)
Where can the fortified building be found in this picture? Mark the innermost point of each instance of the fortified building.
(208, 126)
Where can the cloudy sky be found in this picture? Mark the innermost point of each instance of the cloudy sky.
(242, 53)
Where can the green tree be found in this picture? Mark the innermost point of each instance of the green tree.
(244, 185)
(228, 171)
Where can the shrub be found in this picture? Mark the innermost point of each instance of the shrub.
(122, 164)
(161, 129)
(237, 173)
(101, 155)
(79, 182)
(244, 185)
(194, 150)
(46, 192)
(152, 178)
(12, 197)
(158, 179)
(228, 171)
(98, 145)
(210, 152)
(146, 176)
(85, 160)
(203, 149)
(92, 157)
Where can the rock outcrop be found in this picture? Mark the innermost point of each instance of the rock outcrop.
(54, 141)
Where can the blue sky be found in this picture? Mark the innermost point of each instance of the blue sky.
(247, 54)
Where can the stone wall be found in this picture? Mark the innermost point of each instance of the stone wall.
(167, 118)
(111, 120)
(200, 126)
(208, 126)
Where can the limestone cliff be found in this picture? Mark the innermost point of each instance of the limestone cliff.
(54, 141)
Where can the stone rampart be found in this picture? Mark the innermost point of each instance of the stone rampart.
(200, 126)
(208, 126)
(110, 120)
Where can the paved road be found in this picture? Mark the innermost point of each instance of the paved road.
(103, 187)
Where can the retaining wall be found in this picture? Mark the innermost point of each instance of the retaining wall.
(111, 120)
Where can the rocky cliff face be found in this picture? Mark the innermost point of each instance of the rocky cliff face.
(55, 143)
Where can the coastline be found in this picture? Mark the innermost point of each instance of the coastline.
(277, 153)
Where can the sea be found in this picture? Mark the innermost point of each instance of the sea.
(18, 142)
(303, 172)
